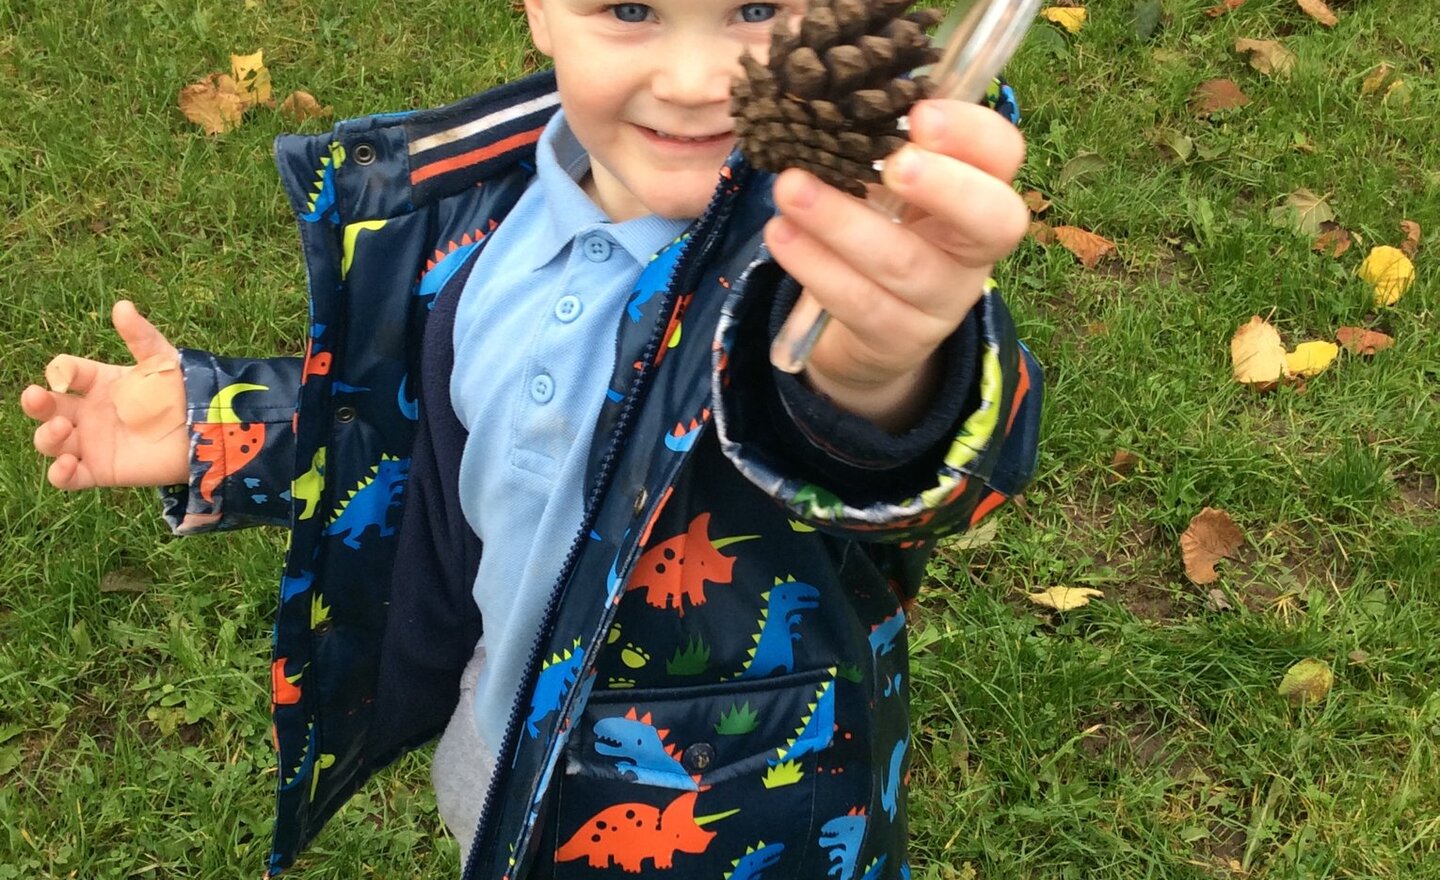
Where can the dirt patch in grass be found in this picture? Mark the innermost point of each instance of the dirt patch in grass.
(1418, 490)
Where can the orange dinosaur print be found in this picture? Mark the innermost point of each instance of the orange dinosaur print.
(283, 690)
(626, 835)
(675, 570)
(227, 449)
(315, 364)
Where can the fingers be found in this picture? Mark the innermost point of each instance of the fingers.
(976, 135)
(56, 437)
(67, 373)
(70, 474)
(141, 337)
(42, 405)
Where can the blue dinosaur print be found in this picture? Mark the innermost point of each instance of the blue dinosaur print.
(893, 684)
(773, 651)
(292, 587)
(756, 861)
(556, 676)
(876, 867)
(322, 200)
(444, 267)
(642, 751)
(883, 634)
(841, 837)
(370, 502)
(890, 794)
(655, 279)
(817, 731)
(904, 871)
(410, 409)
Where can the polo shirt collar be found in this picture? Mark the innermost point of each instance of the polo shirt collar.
(561, 163)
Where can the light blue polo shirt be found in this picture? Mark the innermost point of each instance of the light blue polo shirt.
(534, 339)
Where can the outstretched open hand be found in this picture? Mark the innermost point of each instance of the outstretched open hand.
(896, 291)
(112, 425)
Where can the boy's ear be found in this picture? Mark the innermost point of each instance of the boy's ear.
(539, 27)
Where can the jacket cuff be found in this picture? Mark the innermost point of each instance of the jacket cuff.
(853, 453)
(239, 414)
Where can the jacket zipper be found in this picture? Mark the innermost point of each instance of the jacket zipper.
(700, 243)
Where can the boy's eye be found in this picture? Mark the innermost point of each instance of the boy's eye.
(758, 12)
(631, 12)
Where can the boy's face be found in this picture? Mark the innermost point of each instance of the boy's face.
(646, 89)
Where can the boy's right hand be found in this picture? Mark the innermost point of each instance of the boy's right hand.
(111, 425)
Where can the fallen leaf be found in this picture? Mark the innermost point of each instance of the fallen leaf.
(1177, 146)
(1227, 6)
(1268, 57)
(1359, 657)
(215, 103)
(253, 78)
(1086, 245)
(1211, 537)
(1065, 598)
(1308, 681)
(1215, 95)
(1390, 272)
(1036, 201)
(1218, 601)
(1042, 233)
(974, 539)
(1358, 340)
(1398, 93)
(1122, 464)
(1412, 237)
(1317, 10)
(1309, 359)
(301, 105)
(1072, 19)
(1303, 211)
(1334, 240)
(1078, 166)
(123, 580)
(1146, 18)
(1376, 79)
(1257, 354)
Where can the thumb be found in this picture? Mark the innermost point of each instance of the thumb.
(140, 336)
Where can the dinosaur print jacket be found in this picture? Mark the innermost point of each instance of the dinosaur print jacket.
(719, 687)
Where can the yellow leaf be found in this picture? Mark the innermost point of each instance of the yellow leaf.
(1308, 681)
(1071, 19)
(1376, 79)
(1311, 358)
(1390, 272)
(214, 103)
(1064, 598)
(1267, 56)
(253, 78)
(1257, 354)
(1317, 10)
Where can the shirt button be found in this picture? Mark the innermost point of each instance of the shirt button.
(568, 308)
(597, 248)
(698, 758)
(542, 388)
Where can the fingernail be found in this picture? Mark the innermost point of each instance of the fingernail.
(904, 165)
(782, 230)
(805, 192)
(928, 119)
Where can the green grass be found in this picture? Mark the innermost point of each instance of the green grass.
(1140, 737)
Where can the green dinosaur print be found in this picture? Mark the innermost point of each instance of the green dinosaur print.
(308, 486)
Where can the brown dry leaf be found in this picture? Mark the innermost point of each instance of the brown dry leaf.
(1257, 354)
(1215, 95)
(1036, 201)
(1065, 598)
(1122, 464)
(1376, 79)
(1042, 232)
(215, 103)
(1358, 340)
(1268, 57)
(1411, 244)
(1334, 240)
(1227, 6)
(1317, 10)
(1211, 537)
(301, 105)
(1086, 245)
(253, 78)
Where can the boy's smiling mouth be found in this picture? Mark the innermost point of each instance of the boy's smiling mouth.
(698, 140)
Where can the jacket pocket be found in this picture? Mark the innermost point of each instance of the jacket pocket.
(703, 780)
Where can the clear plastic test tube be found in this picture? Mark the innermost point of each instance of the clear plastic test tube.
(980, 36)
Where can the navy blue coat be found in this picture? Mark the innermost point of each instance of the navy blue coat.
(719, 687)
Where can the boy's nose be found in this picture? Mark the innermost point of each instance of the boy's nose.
(694, 75)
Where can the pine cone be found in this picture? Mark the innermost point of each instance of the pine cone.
(831, 98)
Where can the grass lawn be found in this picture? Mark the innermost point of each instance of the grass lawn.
(1138, 737)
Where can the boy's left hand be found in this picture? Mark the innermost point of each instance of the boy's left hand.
(896, 291)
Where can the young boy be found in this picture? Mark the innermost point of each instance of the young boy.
(650, 589)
